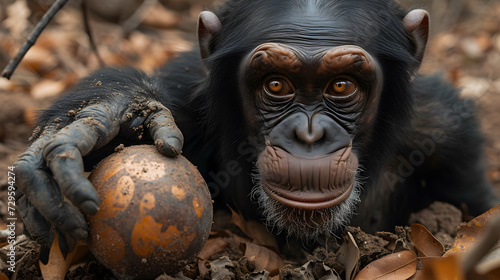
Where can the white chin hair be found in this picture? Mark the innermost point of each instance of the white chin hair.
(305, 224)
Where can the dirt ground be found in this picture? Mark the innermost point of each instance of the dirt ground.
(464, 47)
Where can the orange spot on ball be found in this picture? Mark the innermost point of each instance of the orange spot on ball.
(197, 207)
(178, 192)
(147, 203)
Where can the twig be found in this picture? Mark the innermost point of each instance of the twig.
(93, 46)
(138, 16)
(47, 17)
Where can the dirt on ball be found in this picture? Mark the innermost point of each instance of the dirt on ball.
(155, 215)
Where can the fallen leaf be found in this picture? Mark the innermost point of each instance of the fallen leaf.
(212, 247)
(258, 275)
(255, 230)
(468, 234)
(161, 17)
(40, 59)
(220, 269)
(17, 18)
(425, 243)
(484, 257)
(348, 255)
(442, 268)
(265, 259)
(401, 265)
(47, 88)
(312, 270)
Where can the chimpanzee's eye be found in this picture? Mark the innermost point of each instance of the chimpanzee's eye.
(341, 87)
(278, 86)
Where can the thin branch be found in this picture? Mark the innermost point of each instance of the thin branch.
(138, 16)
(47, 17)
(93, 46)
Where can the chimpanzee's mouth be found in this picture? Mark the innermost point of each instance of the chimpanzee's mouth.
(308, 183)
(308, 200)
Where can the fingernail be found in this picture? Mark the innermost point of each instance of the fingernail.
(79, 234)
(174, 145)
(89, 207)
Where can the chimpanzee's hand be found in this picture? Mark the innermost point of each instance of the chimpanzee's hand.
(50, 171)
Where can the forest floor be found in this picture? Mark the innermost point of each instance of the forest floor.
(466, 51)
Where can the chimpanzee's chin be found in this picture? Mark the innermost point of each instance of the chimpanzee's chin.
(303, 223)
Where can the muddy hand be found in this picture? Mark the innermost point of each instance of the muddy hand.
(50, 170)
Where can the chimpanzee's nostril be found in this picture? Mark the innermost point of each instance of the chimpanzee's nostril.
(310, 137)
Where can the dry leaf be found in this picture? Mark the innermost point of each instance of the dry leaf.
(160, 17)
(469, 233)
(401, 265)
(425, 243)
(57, 266)
(212, 247)
(348, 255)
(265, 259)
(40, 59)
(312, 270)
(484, 257)
(17, 18)
(220, 269)
(442, 268)
(47, 88)
(257, 275)
(255, 230)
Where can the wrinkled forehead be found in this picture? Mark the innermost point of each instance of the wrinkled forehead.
(321, 24)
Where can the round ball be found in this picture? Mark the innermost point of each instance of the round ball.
(155, 214)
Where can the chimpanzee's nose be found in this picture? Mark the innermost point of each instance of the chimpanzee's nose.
(309, 136)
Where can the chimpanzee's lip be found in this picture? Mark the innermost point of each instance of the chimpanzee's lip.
(308, 183)
(308, 200)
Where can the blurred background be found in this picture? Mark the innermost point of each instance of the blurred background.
(464, 47)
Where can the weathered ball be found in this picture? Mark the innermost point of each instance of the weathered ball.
(155, 215)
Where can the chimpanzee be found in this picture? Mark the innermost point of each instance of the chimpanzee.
(305, 114)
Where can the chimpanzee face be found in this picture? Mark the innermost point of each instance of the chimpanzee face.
(309, 104)
(318, 81)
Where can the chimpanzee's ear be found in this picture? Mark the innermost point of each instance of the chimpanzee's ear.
(416, 23)
(208, 26)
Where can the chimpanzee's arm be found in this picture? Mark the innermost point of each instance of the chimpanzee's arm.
(448, 135)
(110, 103)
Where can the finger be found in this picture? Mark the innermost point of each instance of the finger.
(66, 243)
(63, 153)
(66, 164)
(97, 126)
(166, 135)
(34, 222)
(42, 191)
